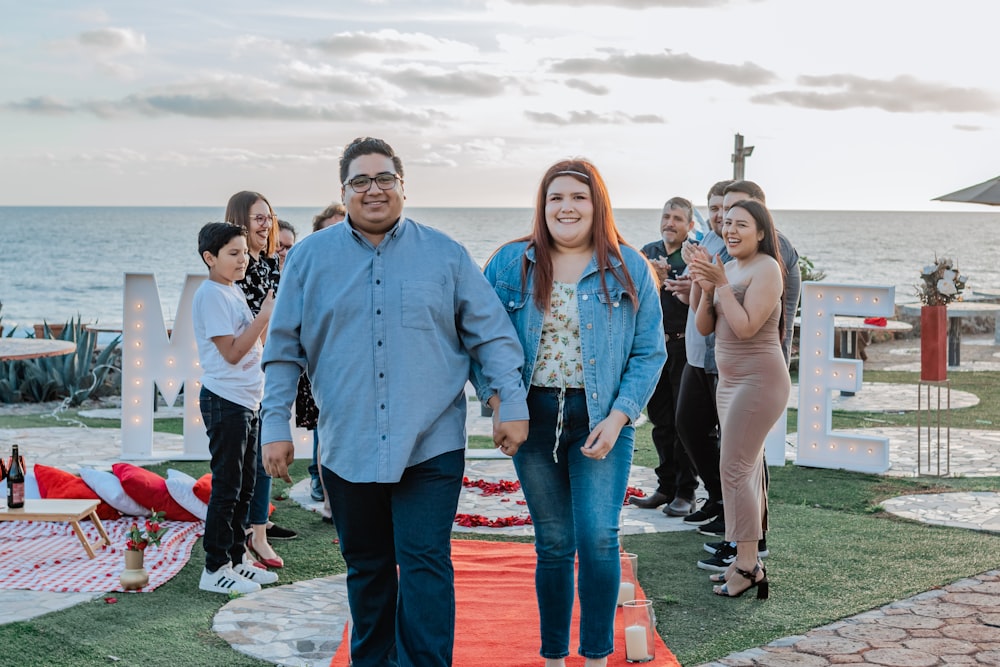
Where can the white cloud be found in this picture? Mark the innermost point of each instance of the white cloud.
(667, 65)
(256, 44)
(591, 118)
(121, 158)
(222, 106)
(113, 41)
(587, 86)
(465, 82)
(331, 79)
(432, 159)
(390, 42)
(44, 104)
(901, 94)
(225, 106)
(113, 50)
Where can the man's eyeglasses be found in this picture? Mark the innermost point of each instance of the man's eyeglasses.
(362, 184)
(261, 219)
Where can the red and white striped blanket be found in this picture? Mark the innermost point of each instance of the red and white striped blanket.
(47, 556)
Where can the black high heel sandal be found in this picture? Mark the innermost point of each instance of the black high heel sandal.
(762, 586)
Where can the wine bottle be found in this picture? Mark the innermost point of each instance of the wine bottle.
(15, 482)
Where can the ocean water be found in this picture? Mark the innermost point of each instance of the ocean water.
(67, 261)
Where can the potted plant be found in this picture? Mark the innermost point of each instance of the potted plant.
(941, 283)
(134, 576)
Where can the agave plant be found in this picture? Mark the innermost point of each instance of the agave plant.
(74, 376)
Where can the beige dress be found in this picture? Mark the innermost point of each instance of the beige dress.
(752, 395)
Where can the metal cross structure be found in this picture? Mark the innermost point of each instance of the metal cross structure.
(740, 154)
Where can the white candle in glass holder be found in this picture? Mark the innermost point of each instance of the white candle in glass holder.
(626, 592)
(635, 643)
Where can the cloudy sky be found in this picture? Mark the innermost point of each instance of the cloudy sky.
(854, 104)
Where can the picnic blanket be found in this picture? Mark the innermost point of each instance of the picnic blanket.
(48, 556)
(496, 615)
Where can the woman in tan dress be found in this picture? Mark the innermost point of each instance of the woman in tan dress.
(742, 304)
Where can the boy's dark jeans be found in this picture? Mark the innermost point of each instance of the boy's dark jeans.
(232, 442)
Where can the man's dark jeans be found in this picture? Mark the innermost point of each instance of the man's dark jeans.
(675, 474)
(409, 620)
(232, 442)
(698, 426)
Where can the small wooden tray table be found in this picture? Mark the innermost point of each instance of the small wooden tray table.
(72, 511)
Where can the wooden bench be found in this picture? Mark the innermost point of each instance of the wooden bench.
(72, 511)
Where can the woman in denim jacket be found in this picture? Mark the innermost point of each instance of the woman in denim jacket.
(586, 308)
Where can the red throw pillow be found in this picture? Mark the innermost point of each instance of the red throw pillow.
(56, 483)
(203, 487)
(203, 490)
(150, 490)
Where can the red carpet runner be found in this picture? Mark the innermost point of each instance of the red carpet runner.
(497, 615)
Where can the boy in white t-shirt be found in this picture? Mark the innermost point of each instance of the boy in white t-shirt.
(232, 384)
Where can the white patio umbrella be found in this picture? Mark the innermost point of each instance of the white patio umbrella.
(987, 192)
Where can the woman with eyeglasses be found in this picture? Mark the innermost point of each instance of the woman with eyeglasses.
(252, 211)
(586, 308)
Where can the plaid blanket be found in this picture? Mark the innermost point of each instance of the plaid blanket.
(47, 556)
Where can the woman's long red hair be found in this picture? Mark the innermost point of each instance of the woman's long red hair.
(607, 239)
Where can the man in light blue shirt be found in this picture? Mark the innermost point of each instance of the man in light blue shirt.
(385, 315)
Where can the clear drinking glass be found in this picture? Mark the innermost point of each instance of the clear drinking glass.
(639, 629)
(627, 587)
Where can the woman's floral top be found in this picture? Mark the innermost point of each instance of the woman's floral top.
(306, 412)
(560, 359)
(262, 275)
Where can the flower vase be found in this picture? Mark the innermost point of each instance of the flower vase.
(134, 576)
(934, 343)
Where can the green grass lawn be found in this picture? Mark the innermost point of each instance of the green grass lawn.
(834, 554)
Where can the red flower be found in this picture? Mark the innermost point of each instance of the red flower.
(492, 488)
(633, 491)
(478, 520)
(138, 540)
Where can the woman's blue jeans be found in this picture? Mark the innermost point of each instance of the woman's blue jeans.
(314, 466)
(260, 503)
(575, 506)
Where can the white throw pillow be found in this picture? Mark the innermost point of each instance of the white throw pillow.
(110, 489)
(181, 488)
(31, 491)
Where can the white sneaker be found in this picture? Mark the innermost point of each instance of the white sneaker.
(255, 574)
(225, 580)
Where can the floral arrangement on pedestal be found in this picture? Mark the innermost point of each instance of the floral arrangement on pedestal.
(942, 283)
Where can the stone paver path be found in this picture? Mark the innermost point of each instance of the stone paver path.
(955, 625)
(886, 397)
(975, 510)
(974, 453)
(300, 624)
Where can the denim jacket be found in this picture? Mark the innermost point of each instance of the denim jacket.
(622, 344)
